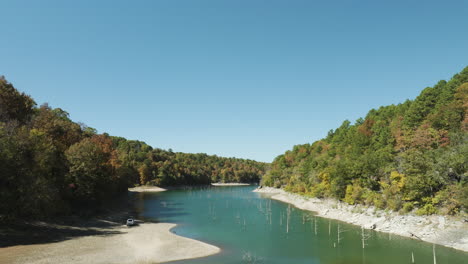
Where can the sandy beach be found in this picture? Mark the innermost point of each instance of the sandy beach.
(145, 243)
(159, 189)
(443, 230)
(230, 184)
(147, 189)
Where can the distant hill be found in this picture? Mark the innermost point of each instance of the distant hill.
(405, 156)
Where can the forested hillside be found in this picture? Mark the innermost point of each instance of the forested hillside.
(51, 165)
(405, 156)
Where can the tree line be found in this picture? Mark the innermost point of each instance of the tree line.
(410, 156)
(50, 165)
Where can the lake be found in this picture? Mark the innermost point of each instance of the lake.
(251, 228)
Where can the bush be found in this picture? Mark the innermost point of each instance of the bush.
(451, 199)
(319, 190)
(374, 198)
(369, 198)
(379, 202)
(407, 207)
(277, 184)
(353, 194)
(394, 203)
(299, 188)
(427, 209)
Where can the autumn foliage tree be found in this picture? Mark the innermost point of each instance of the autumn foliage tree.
(50, 165)
(405, 156)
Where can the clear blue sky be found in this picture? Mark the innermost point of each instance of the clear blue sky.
(245, 78)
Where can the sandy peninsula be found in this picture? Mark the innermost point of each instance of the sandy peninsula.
(442, 230)
(230, 184)
(146, 243)
(147, 189)
(159, 189)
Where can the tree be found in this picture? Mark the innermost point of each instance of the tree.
(13, 104)
(145, 174)
(89, 171)
(56, 124)
(408, 154)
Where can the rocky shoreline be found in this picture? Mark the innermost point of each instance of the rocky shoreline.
(443, 230)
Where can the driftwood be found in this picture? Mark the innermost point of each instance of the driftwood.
(413, 235)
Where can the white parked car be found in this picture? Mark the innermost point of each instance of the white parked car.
(130, 222)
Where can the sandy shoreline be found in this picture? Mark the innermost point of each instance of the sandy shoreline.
(442, 230)
(146, 243)
(147, 189)
(159, 189)
(230, 184)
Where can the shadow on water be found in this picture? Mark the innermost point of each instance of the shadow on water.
(167, 214)
(157, 208)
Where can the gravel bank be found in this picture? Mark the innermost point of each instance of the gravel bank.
(442, 230)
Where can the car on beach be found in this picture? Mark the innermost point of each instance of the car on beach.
(130, 222)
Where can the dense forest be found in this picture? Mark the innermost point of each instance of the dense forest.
(410, 156)
(50, 165)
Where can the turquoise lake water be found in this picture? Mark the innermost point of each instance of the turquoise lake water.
(251, 228)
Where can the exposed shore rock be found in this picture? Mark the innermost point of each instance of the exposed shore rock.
(442, 230)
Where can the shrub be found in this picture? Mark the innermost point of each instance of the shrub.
(353, 194)
(319, 190)
(379, 202)
(394, 203)
(277, 184)
(427, 209)
(452, 199)
(407, 207)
